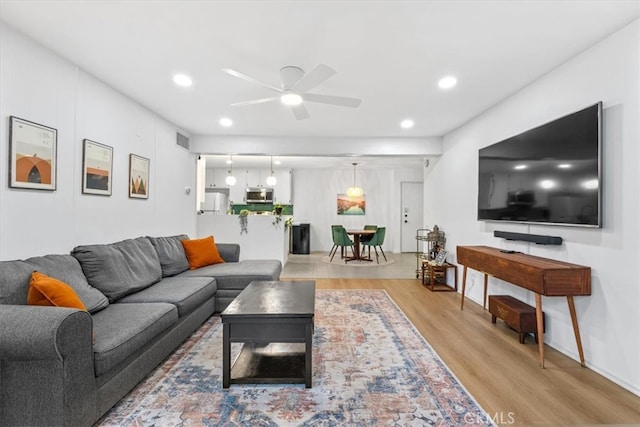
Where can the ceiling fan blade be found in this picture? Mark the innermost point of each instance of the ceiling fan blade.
(255, 101)
(300, 111)
(250, 79)
(341, 101)
(313, 78)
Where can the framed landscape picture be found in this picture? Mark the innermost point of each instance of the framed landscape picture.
(97, 166)
(32, 155)
(351, 205)
(138, 177)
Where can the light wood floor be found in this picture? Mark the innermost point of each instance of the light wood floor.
(502, 374)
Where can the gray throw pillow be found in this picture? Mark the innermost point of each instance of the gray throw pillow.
(171, 254)
(67, 269)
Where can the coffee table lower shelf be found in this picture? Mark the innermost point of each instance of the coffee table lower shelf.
(269, 363)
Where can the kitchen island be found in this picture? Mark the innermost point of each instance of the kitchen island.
(263, 240)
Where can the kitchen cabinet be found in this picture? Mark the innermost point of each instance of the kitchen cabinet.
(215, 178)
(255, 178)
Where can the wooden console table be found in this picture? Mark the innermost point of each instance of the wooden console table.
(542, 276)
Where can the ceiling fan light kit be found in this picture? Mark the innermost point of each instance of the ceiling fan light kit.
(291, 99)
(294, 89)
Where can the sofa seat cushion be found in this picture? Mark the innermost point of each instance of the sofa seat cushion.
(122, 329)
(68, 270)
(186, 293)
(121, 268)
(237, 275)
(173, 260)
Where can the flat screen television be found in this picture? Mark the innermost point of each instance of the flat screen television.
(551, 174)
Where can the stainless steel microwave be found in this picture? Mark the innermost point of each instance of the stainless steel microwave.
(259, 195)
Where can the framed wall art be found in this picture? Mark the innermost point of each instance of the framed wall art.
(351, 205)
(441, 258)
(32, 155)
(97, 166)
(138, 177)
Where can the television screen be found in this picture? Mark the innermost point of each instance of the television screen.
(550, 174)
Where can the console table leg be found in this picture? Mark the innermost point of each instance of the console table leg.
(540, 327)
(576, 329)
(464, 286)
(486, 283)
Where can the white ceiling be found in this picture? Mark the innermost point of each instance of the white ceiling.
(388, 53)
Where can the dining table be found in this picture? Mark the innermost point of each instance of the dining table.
(357, 236)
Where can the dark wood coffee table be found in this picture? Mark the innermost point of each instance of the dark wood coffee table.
(274, 320)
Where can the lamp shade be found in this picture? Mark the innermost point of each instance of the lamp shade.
(354, 191)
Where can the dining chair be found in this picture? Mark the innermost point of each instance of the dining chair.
(364, 238)
(341, 239)
(376, 241)
(335, 239)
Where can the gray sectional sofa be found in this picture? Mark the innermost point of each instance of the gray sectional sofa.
(63, 366)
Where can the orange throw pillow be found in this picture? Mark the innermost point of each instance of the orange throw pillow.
(47, 291)
(201, 252)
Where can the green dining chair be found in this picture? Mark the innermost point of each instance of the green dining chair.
(369, 237)
(340, 239)
(335, 242)
(376, 241)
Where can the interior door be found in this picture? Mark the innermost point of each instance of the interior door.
(411, 214)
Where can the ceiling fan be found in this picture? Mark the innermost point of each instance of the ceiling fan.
(294, 87)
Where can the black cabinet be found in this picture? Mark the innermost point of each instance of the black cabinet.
(300, 239)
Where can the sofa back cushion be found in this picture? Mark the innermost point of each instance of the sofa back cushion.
(14, 282)
(121, 268)
(171, 254)
(67, 269)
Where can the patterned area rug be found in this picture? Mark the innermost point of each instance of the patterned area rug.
(370, 367)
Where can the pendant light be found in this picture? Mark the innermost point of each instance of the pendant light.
(271, 180)
(230, 179)
(354, 191)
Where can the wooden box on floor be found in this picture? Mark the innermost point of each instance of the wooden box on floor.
(434, 277)
(515, 313)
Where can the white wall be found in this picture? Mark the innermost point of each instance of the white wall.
(37, 85)
(314, 200)
(609, 319)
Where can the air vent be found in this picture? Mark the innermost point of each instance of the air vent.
(182, 140)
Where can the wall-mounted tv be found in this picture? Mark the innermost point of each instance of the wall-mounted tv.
(551, 174)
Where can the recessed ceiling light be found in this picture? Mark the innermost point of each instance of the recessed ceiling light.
(520, 167)
(406, 124)
(447, 82)
(547, 184)
(182, 80)
(291, 99)
(564, 166)
(225, 121)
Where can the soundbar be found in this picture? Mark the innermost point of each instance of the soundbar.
(535, 238)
